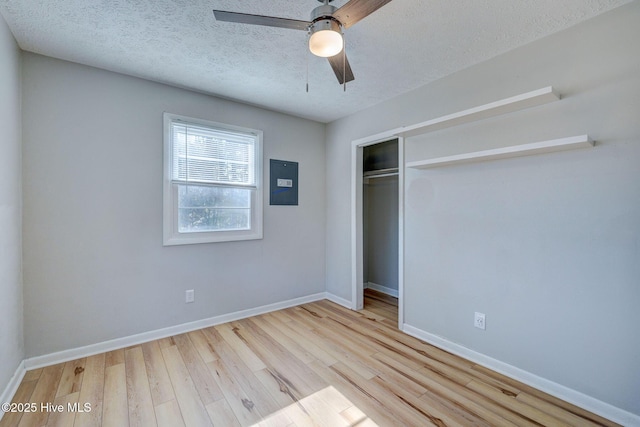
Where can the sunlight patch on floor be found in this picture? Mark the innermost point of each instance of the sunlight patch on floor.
(327, 407)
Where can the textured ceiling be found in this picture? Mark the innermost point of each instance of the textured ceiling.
(404, 45)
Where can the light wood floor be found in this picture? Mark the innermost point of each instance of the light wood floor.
(383, 305)
(316, 364)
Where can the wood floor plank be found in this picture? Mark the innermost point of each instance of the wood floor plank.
(321, 412)
(370, 315)
(332, 338)
(168, 414)
(390, 402)
(412, 347)
(64, 417)
(221, 414)
(441, 383)
(276, 387)
(44, 392)
(304, 317)
(452, 392)
(554, 401)
(114, 357)
(556, 412)
(317, 364)
(159, 381)
(382, 343)
(23, 395)
(344, 354)
(301, 380)
(71, 377)
(336, 400)
(227, 331)
(355, 417)
(326, 406)
(301, 336)
(240, 403)
(426, 364)
(281, 315)
(377, 296)
(342, 331)
(321, 311)
(363, 317)
(193, 410)
(32, 375)
(514, 405)
(141, 412)
(291, 345)
(115, 410)
(166, 342)
(352, 334)
(206, 352)
(367, 403)
(292, 415)
(383, 310)
(425, 408)
(206, 385)
(255, 391)
(92, 392)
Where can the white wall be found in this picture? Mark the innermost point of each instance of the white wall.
(11, 342)
(94, 265)
(547, 246)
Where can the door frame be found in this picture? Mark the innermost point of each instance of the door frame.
(357, 233)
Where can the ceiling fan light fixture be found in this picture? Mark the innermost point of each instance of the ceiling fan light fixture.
(326, 38)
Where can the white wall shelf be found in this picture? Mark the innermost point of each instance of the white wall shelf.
(503, 106)
(492, 109)
(561, 144)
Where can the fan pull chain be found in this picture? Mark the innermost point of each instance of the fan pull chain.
(308, 53)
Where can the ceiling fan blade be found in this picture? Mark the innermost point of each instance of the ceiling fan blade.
(355, 10)
(269, 21)
(340, 69)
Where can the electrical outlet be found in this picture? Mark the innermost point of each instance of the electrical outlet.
(479, 321)
(189, 296)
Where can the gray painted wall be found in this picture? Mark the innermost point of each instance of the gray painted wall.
(380, 245)
(94, 265)
(547, 246)
(11, 341)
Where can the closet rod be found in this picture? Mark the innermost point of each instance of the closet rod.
(380, 173)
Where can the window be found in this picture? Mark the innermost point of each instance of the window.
(212, 182)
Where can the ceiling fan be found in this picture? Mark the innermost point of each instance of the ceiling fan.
(324, 29)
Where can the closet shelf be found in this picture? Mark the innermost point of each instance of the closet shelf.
(506, 152)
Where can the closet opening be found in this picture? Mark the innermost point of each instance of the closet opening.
(381, 229)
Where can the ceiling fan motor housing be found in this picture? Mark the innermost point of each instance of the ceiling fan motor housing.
(325, 11)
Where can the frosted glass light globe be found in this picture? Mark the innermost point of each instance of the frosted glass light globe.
(325, 40)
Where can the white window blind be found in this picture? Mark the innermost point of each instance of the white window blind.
(212, 181)
(212, 156)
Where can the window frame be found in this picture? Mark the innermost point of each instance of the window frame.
(171, 235)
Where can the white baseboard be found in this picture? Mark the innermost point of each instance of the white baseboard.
(90, 350)
(338, 300)
(381, 288)
(12, 387)
(577, 398)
